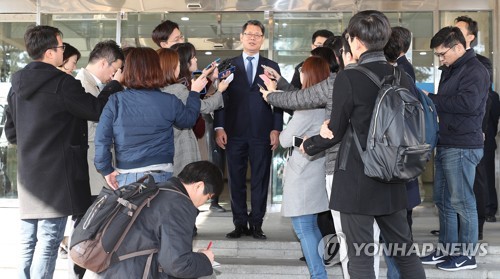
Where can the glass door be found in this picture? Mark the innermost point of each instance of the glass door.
(13, 57)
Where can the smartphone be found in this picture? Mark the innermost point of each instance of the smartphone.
(230, 78)
(210, 65)
(297, 141)
(265, 69)
(225, 72)
(265, 78)
(197, 74)
(261, 87)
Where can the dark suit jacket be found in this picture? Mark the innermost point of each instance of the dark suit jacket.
(487, 64)
(245, 113)
(407, 66)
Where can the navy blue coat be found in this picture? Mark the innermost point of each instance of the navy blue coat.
(461, 102)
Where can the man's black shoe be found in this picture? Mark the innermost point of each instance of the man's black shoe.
(435, 232)
(491, 218)
(215, 207)
(258, 233)
(238, 232)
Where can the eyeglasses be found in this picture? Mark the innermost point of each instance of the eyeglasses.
(176, 39)
(317, 45)
(250, 35)
(115, 69)
(63, 47)
(441, 54)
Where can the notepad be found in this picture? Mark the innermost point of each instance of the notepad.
(215, 264)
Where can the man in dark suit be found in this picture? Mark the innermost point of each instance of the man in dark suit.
(248, 129)
(403, 39)
(469, 28)
(484, 184)
(318, 39)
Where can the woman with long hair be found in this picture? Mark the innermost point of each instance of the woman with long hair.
(304, 193)
(139, 122)
(186, 144)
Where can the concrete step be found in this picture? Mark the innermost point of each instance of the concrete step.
(248, 248)
(252, 268)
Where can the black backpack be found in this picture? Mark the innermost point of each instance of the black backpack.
(396, 148)
(99, 234)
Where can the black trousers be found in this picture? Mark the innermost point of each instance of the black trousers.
(358, 231)
(239, 151)
(480, 188)
(489, 165)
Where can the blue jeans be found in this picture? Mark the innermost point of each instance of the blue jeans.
(392, 267)
(45, 235)
(306, 228)
(454, 195)
(128, 178)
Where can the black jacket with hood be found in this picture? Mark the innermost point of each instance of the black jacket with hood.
(46, 118)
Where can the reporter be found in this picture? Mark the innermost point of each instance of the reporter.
(139, 122)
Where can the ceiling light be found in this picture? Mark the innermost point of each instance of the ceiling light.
(208, 53)
(185, 18)
(194, 5)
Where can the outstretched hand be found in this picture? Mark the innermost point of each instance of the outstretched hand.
(325, 132)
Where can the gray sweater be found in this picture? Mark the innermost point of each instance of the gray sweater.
(316, 96)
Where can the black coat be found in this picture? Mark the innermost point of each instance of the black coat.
(46, 118)
(354, 96)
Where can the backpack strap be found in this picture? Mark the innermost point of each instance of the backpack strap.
(147, 267)
(371, 75)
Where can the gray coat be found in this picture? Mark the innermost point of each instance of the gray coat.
(185, 142)
(316, 96)
(304, 189)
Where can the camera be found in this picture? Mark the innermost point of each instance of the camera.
(224, 65)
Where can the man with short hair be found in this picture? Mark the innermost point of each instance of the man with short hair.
(167, 34)
(360, 199)
(167, 224)
(402, 36)
(248, 129)
(460, 104)
(105, 60)
(318, 39)
(46, 118)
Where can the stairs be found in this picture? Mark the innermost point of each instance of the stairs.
(278, 256)
(251, 259)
